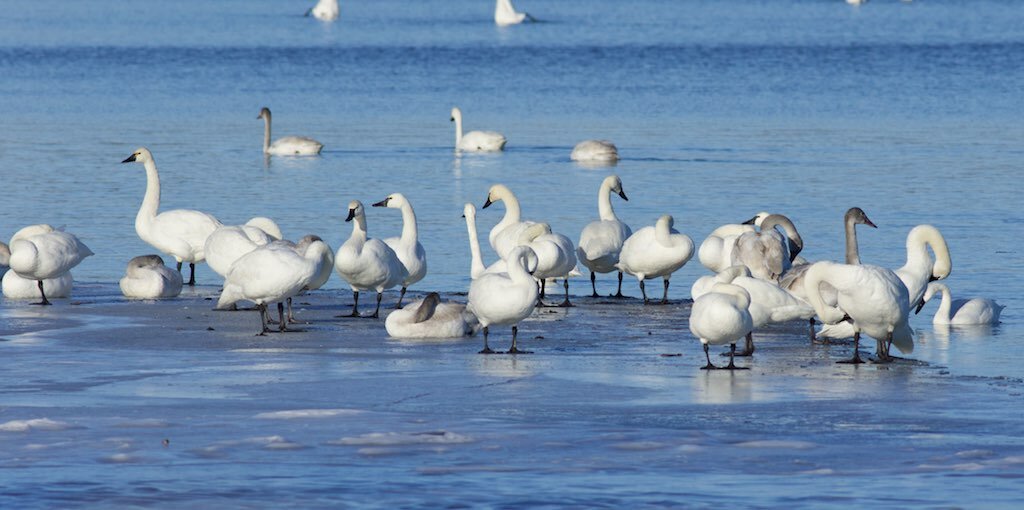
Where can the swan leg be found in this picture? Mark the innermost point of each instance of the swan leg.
(400, 297)
(192, 274)
(619, 293)
(882, 352)
(291, 315)
(45, 302)
(748, 348)
(732, 358)
(566, 303)
(262, 308)
(642, 291)
(543, 284)
(280, 318)
(179, 266)
(376, 312)
(709, 366)
(593, 284)
(855, 360)
(355, 305)
(486, 349)
(664, 296)
(814, 338)
(514, 350)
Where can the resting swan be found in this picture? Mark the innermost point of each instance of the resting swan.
(655, 251)
(288, 145)
(324, 10)
(505, 235)
(505, 14)
(180, 233)
(39, 253)
(556, 256)
(146, 277)
(766, 253)
(476, 141)
(602, 240)
(961, 311)
(871, 298)
(430, 318)
(719, 317)
(504, 299)
(16, 287)
(595, 151)
(367, 264)
(407, 247)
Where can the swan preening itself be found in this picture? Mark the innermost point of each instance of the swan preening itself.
(180, 233)
(229, 243)
(556, 256)
(430, 318)
(272, 273)
(505, 14)
(595, 151)
(40, 252)
(324, 10)
(721, 316)
(289, 145)
(602, 240)
(765, 252)
(475, 141)
(367, 264)
(408, 248)
(963, 312)
(655, 251)
(146, 277)
(504, 299)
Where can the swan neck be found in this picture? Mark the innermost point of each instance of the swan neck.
(815, 276)
(458, 130)
(151, 201)
(852, 249)
(662, 233)
(266, 133)
(359, 229)
(944, 305)
(409, 229)
(604, 203)
(517, 271)
(476, 267)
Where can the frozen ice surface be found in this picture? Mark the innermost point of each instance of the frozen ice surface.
(111, 403)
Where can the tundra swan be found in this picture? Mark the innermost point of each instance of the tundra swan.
(180, 233)
(961, 311)
(430, 318)
(288, 145)
(505, 14)
(476, 141)
(719, 317)
(16, 287)
(767, 253)
(503, 299)
(601, 240)
(655, 251)
(39, 252)
(367, 264)
(407, 247)
(595, 151)
(146, 277)
(324, 10)
(556, 256)
(505, 235)
(476, 267)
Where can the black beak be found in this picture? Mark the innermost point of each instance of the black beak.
(920, 305)
(487, 203)
(933, 278)
(382, 203)
(452, 119)
(351, 214)
(129, 159)
(623, 195)
(869, 223)
(463, 215)
(751, 221)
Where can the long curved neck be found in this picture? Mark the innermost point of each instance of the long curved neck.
(796, 243)
(458, 130)
(852, 249)
(742, 298)
(266, 133)
(151, 202)
(425, 311)
(512, 211)
(945, 305)
(358, 230)
(663, 233)
(604, 202)
(517, 270)
(409, 229)
(817, 274)
(476, 267)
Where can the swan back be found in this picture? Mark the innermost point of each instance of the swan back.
(430, 318)
(229, 243)
(46, 255)
(599, 151)
(873, 297)
(147, 277)
(270, 273)
(267, 225)
(722, 315)
(505, 14)
(655, 251)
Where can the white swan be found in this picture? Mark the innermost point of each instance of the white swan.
(504, 299)
(601, 240)
(505, 14)
(476, 141)
(961, 311)
(271, 273)
(430, 318)
(505, 235)
(146, 277)
(267, 225)
(367, 264)
(595, 151)
(407, 247)
(16, 287)
(288, 145)
(715, 252)
(38, 252)
(229, 243)
(655, 251)
(324, 267)
(180, 233)
(324, 10)
(556, 256)
(767, 253)
(871, 298)
(476, 267)
(720, 317)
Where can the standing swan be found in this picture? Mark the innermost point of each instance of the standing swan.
(501, 299)
(505, 235)
(595, 151)
(721, 316)
(601, 240)
(430, 318)
(871, 298)
(655, 251)
(367, 264)
(767, 254)
(476, 267)
(324, 10)
(961, 311)
(148, 278)
(288, 145)
(505, 14)
(180, 233)
(407, 247)
(556, 257)
(476, 141)
(39, 252)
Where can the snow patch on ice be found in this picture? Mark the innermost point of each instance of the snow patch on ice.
(779, 444)
(403, 438)
(295, 414)
(35, 424)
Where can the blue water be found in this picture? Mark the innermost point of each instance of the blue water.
(912, 111)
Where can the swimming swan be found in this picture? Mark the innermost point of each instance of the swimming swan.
(180, 233)
(288, 145)
(146, 277)
(505, 14)
(407, 247)
(602, 240)
(16, 287)
(430, 318)
(476, 141)
(367, 264)
(961, 311)
(324, 10)
(595, 151)
(720, 317)
(871, 298)
(39, 252)
(502, 299)
(655, 251)
(271, 273)
(505, 235)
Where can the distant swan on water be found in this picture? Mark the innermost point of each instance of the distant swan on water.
(476, 141)
(595, 151)
(961, 311)
(324, 10)
(505, 14)
(288, 145)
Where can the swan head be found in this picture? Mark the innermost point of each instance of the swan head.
(264, 113)
(525, 257)
(933, 288)
(306, 241)
(758, 219)
(393, 201)
(469, 211)
(858, 216)
(615, 185)
(456, 114)
(141, 155)
(666, 220)
(355, 208)
(496, 193)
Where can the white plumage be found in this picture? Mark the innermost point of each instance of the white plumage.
(16, 287)
(556, 256)
(229, 243)
(971, 311)
(655, 251)
(504, 299)
(408, 248)
(475, 141)
(325, 10)
(595, 151)
(720, 317)
(505, 235)
(430, 318)
(288, 145)
(505, 14)
(601, 240)
(146, 277)
(367, 264)
(38, 252)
